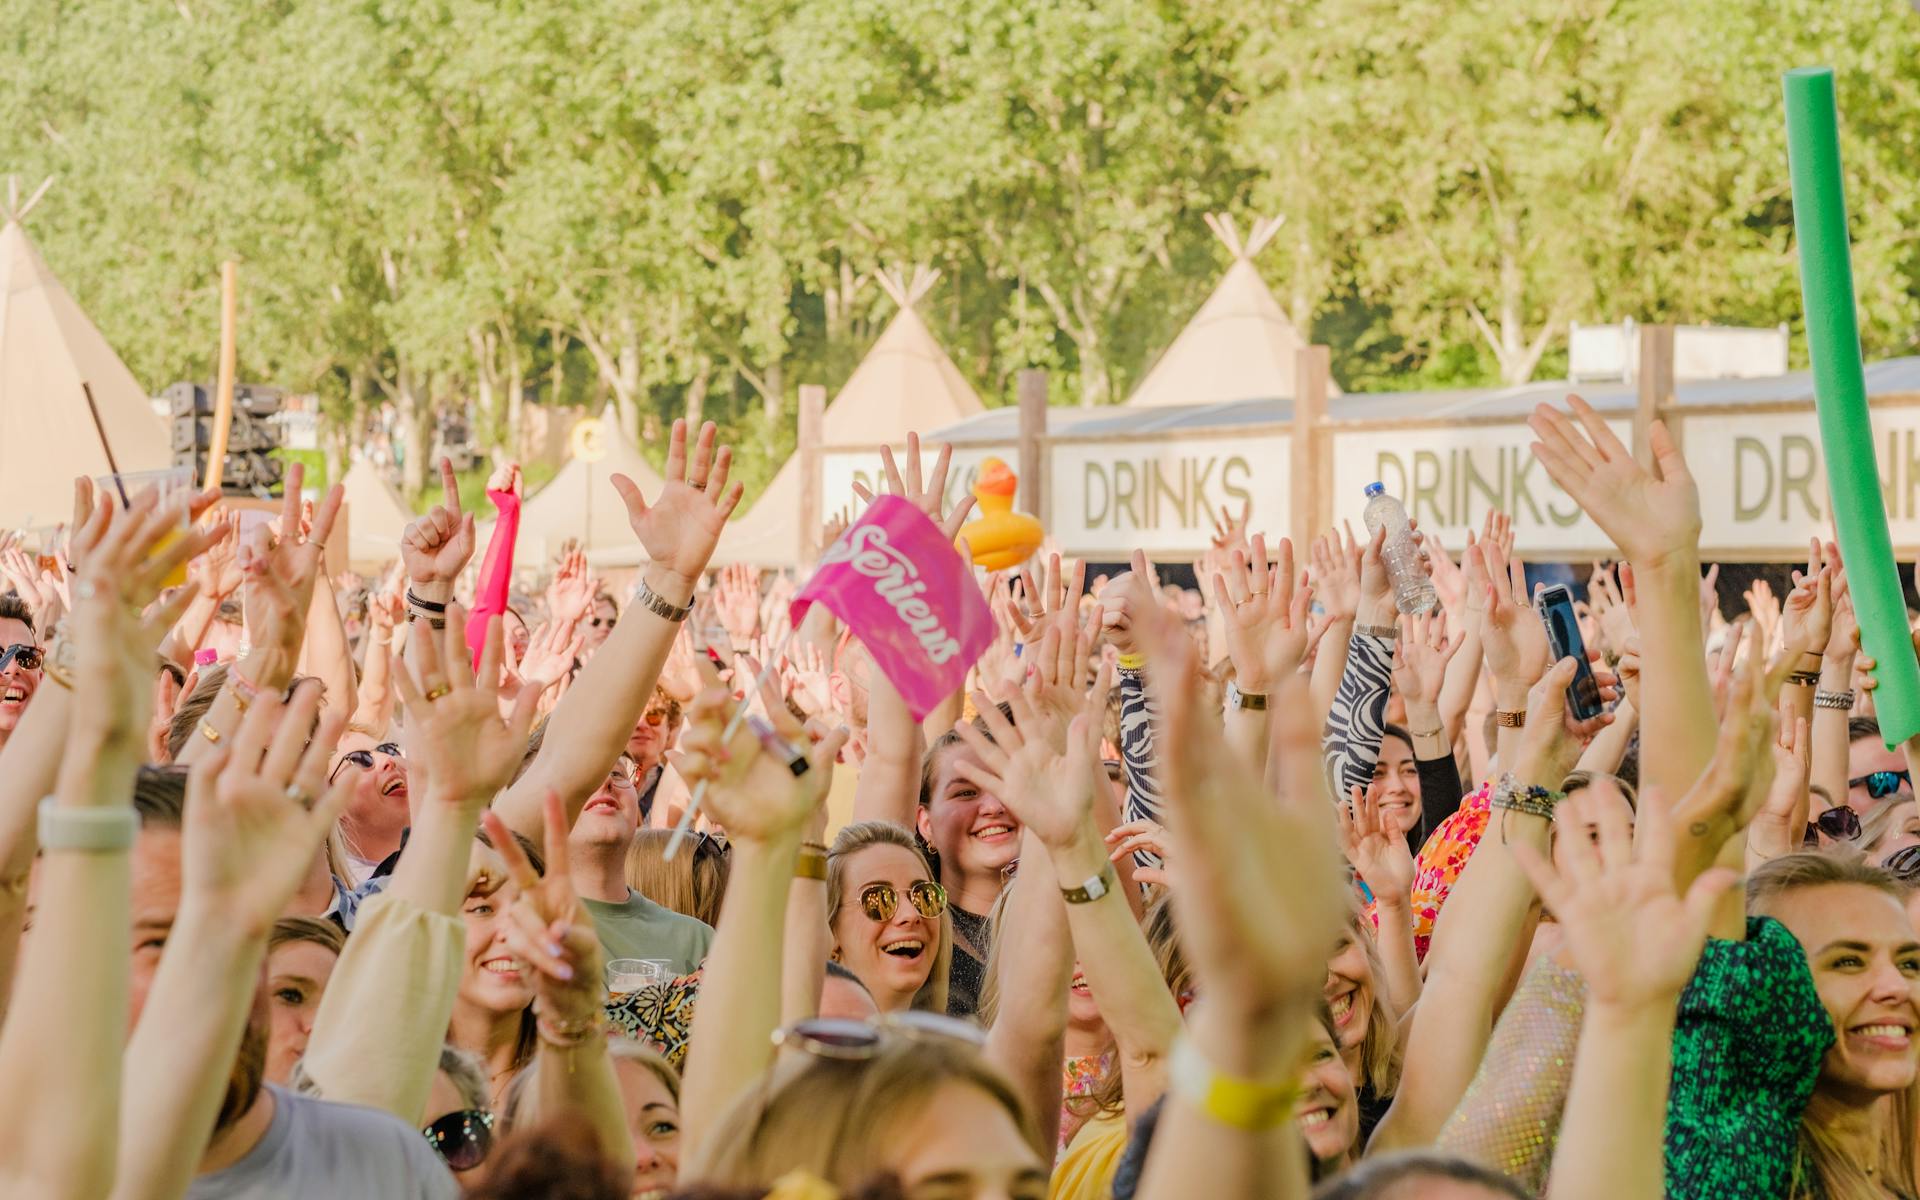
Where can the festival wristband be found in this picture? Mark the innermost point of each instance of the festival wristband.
(1132, 662)
(1243, 1104)
(811, 864)
(99, 830)
(659, 605)
(1094, 888)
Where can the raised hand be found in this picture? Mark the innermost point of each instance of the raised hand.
(217, 569)
(1264, 610)
(1709, 598)
(258, 807)
(1378, 852)
(570, 593)
(1041, 770)
(1765, 608)
(1143, 834)
(1634, 938)
(1780, 825)
(1421, 657)
(1449, 582)
(806, 679)
(1038, 606)
(1732, 788)
(1652, 515)
(1551, 741)
(435, 548)
(1334, 568)
(1515, 640)
(551, 652)
(505, 478)
(1806, 620)
(736, 599)
(548, 927)
(455, 733)
(1127, 604)
(681, 527)
(36, 587)
(1610, 608)
(1376, 586)
(752, 790)
(929, 499)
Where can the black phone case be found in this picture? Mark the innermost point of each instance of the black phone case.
(1563, 637)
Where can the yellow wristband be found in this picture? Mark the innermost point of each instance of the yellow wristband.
(811, 864)
(1240, 1103)
(1132, 662)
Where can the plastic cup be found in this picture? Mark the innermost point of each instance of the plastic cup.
(175, 486)
(631, 974)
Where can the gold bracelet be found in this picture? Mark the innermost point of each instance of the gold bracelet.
(811, 864)
(1507, 718)
(565, 1035)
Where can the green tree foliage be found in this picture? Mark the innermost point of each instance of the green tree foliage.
(681, 207)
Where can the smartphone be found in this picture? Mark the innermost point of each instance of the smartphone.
(1563, 636)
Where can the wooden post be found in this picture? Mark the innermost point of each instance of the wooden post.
(223, 390)
(1033, 432)
(1655, 380)
(813, 408)
(1309, 508)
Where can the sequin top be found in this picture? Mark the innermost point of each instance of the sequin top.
(1747, 1044)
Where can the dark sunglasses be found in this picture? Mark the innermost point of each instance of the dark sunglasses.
(27, 656)
(880, 901)
(462, 1139)
(1841, 824)
(1904, 864)
(1879, 784)
(364, 758)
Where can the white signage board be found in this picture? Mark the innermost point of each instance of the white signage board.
(1448, 479)
(1162, 495)
(1763, 478)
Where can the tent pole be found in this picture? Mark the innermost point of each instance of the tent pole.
(223, 390)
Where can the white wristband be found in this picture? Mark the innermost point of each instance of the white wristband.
(64, 827)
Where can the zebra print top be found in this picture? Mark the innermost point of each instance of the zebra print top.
(1351, 743)
(1138, 712)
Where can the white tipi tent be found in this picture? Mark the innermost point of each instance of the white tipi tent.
(376, 517)
(48, 348)
(905, 384)
(580, 503)
(1239, 346)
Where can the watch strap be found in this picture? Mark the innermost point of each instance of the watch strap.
(1510, 718)
(1390, 632)
(1093, 889)
(659, 605)
(1240, 701)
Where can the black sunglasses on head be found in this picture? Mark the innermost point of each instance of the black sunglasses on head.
(27, 656)
(364, 758)
(1840, 823)
(1904, 863)
(462, 1139)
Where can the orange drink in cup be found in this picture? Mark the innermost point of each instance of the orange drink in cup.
(175, 486)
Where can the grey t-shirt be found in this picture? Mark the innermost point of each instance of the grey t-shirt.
(642, 929)
(319, 1149)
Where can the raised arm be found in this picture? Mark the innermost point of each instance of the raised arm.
(1124, 603)
(1653, 515)
(373, 704)
(376, 1039)
(1421, 667)
(246, 841)
(1260, 903)
(765, 808)
(1335, 572)
(1264, 617)
(496, 567)
(1047, 775)
(1483, 926)
(593, 721)
(67, 1025)
(1351, 742)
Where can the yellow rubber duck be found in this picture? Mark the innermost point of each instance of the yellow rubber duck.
(999, 537)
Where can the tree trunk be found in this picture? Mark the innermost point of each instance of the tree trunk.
(485, 370)
(557, 377)
(627, 387)
(414, 420)
(515, 436)
(1300, 298)
(1514, 367)
(774, 401)
(1096, 385)
(697, 394)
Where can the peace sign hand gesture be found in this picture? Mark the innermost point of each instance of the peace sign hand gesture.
(436, 547)
(547, 926)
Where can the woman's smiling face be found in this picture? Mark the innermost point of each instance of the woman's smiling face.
(892, 957)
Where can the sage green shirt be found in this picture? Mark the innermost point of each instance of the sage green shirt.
(642, 929)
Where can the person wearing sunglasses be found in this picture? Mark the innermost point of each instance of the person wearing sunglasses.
(19, 663)
(647, 746)
(888, 918)
(602, 616)
(1873, 771)
(458, 1121)
(378, 813)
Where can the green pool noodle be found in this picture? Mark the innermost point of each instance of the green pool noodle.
(1840, 396)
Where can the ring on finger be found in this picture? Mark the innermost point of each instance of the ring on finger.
(697, 483)
(437, 691)
(299, 795)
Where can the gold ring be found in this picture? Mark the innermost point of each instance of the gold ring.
(299, 795)
(434, 693)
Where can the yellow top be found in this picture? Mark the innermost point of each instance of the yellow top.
(1086, 1170)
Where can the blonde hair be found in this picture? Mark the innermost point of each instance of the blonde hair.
(1380, 1049)
(1822, 1169)
(691, 885)
(837, 1119)
(932, 995)
(626, 1049)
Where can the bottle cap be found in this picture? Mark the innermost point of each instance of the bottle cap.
(1375, 489)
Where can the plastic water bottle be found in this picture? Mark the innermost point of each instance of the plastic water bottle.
(1412, 590)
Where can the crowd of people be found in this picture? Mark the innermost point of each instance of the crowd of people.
(321, 886)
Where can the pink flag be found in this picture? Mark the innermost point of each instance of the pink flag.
(903, 589)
